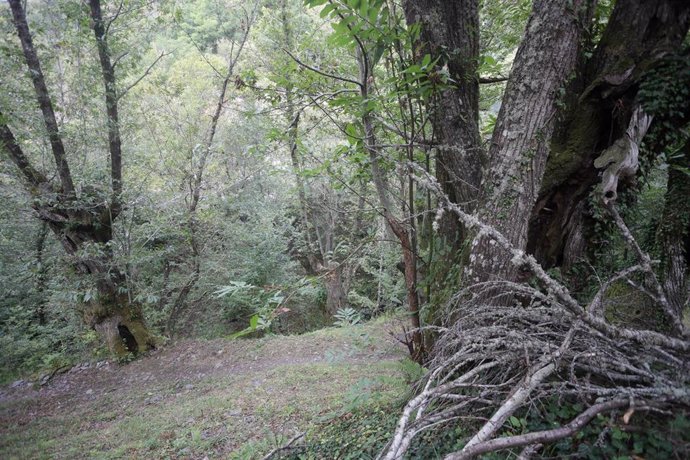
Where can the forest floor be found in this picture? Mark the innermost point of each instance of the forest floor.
(204, 399)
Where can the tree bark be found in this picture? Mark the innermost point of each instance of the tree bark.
(599, 106)
(674, 235)
(520, 144)
(42, 95)
(450, 31)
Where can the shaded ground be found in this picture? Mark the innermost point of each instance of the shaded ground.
(203, 399)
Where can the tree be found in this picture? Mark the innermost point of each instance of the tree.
(598, 108)
(450, 32)
(488, 333)
(83, 219)
(326, 238)
(519, 146)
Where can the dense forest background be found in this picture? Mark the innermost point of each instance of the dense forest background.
(511, 178)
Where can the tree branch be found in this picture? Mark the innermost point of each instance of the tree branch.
(320, 72)
(490, 80)
(539, 437)
(17, 156)
(138, 80)
(42, 95)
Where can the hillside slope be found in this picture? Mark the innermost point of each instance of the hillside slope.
(203, 399)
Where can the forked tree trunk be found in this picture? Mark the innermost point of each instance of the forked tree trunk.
(599, 106)
(520, 144)
(82, 224)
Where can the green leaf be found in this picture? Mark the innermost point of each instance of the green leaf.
(253, 322)
(515, 421)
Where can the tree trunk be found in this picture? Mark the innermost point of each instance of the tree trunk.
(336, 293)
(41, 274)
(120, 325)
(599, 106)
(85, 236)
(450, 31)
(400, 229)
(674, 235)
(520, 144)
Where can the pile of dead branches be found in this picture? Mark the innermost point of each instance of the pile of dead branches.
(499, 358)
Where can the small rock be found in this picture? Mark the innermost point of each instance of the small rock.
(189, 386)
(18, 383)
(153, 399)
(89, 391)
(233, 413)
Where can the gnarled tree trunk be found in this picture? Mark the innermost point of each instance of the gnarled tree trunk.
(599, 106)
(85, 236)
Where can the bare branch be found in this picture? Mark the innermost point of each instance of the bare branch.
(490, 80)
(138, 80)
(539, 437)
(115, 16)
(320, 72)
(288, 445)
(646, 263)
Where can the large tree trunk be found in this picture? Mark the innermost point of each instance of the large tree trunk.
(450, 31)
(599, 107)
(520, 144)
(85, 236)
(674, 235)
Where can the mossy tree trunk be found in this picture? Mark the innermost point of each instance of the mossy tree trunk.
(674, 235)
(84, 228)
(599, 105)
(82, 221)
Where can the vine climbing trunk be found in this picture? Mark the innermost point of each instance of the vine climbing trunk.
(598, 108)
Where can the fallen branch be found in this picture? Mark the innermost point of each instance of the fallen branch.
(538, 437)
(286, 446)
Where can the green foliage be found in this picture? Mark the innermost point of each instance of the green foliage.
(607, 437)
(363, 432)
(347, 317)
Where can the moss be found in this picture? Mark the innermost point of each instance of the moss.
(627, 306)
(573, 147)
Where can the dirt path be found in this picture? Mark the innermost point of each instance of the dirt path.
(200, 399)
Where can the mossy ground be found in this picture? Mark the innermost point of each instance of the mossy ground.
(207, 399)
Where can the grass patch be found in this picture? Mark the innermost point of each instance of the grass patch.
(237, 399)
